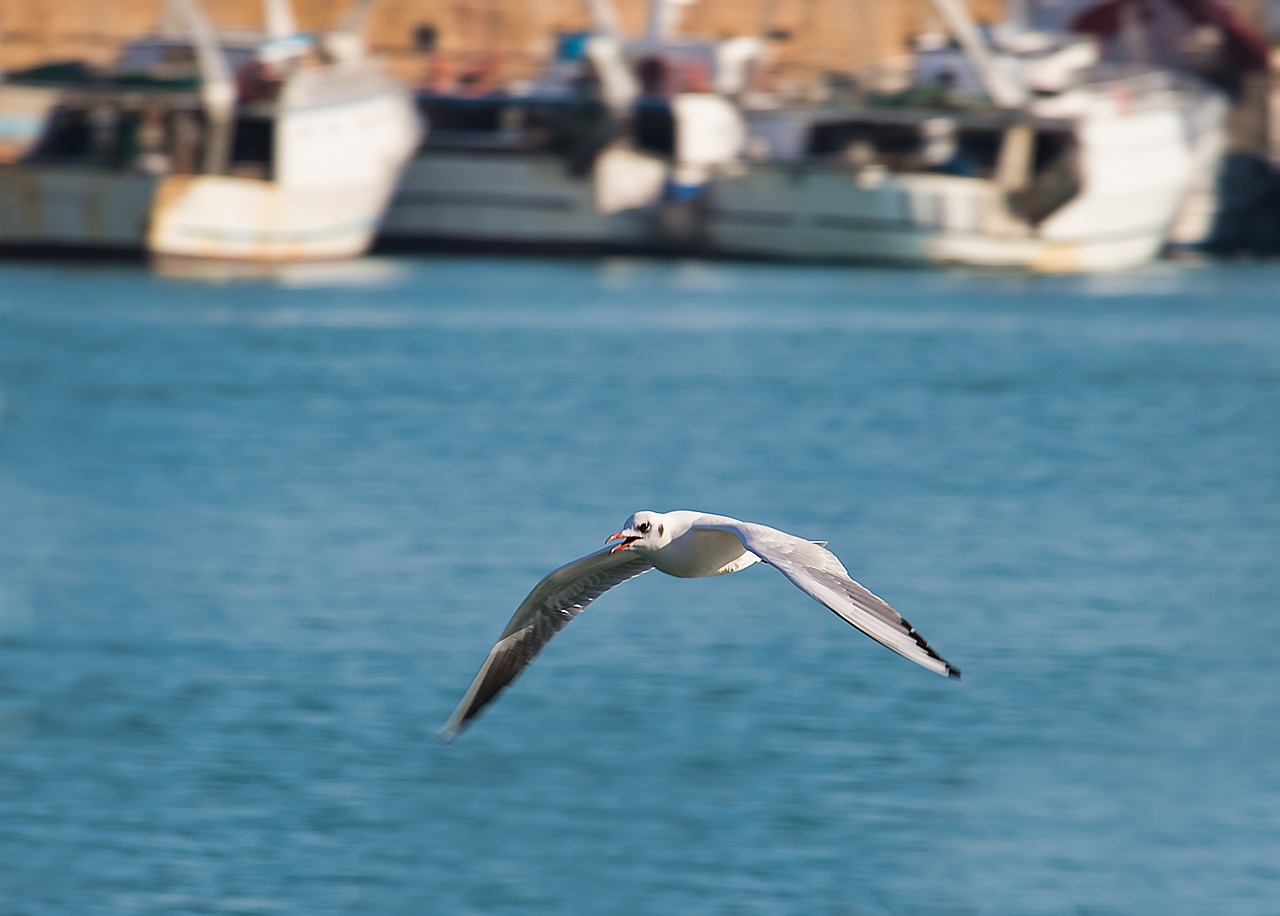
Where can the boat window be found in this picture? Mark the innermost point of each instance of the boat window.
(653, 127)
(67, 135)
(253, 147)
(892, 143)
(1055, 177)
(478, 116)
(101, 135)
(934, 145)
(978, 151)
(576, 129)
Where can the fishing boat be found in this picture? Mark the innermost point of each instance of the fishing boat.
(1064, 165)
(596, 153)
(256, 146)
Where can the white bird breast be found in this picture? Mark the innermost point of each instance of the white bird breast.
(701, 552)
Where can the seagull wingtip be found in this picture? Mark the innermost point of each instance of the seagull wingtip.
(953, 673)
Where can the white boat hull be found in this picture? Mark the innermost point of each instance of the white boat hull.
(530, 199)
(839, 214)
(243, 219)
(1137, 166)
(186, 216)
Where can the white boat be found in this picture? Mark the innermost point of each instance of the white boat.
(581, 158)
(1088, 173)
(248, 146)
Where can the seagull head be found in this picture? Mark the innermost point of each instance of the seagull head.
(646, 531)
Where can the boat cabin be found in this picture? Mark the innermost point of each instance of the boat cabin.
(1034, 159)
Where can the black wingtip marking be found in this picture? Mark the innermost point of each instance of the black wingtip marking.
(952, 672)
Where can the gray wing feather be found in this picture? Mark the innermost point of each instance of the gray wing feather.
(819, 573)
(554, 601)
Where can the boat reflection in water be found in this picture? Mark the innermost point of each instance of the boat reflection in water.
(367, 271)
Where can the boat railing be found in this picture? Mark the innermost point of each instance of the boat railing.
(1137, 87)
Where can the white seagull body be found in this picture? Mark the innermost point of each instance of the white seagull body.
(688, 545)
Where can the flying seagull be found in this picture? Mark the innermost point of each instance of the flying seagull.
(688, 545)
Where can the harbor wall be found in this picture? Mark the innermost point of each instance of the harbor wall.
(513, 36)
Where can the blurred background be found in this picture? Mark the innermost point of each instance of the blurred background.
(326, 330)
(1052, 136)
(836, 36)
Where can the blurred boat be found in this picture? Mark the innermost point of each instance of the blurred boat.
(1227, 48)
(256, 146)
(1068, 167)
(596, 153)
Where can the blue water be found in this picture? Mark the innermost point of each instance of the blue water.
(256, 536)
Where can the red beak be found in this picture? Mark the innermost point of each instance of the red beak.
(624, 541)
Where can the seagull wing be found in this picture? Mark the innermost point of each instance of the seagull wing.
(819, 574)
(554, 601)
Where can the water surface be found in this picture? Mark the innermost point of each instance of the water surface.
(256, 536)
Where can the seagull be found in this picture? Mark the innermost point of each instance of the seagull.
(687, 545)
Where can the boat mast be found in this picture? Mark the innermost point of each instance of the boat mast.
(217, 88)
(604, 50)
(345, 41)
(663, 16)
(278, 19)
(604, 20)
(1003, 91)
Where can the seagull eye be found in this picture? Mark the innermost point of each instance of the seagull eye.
(643, 527)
